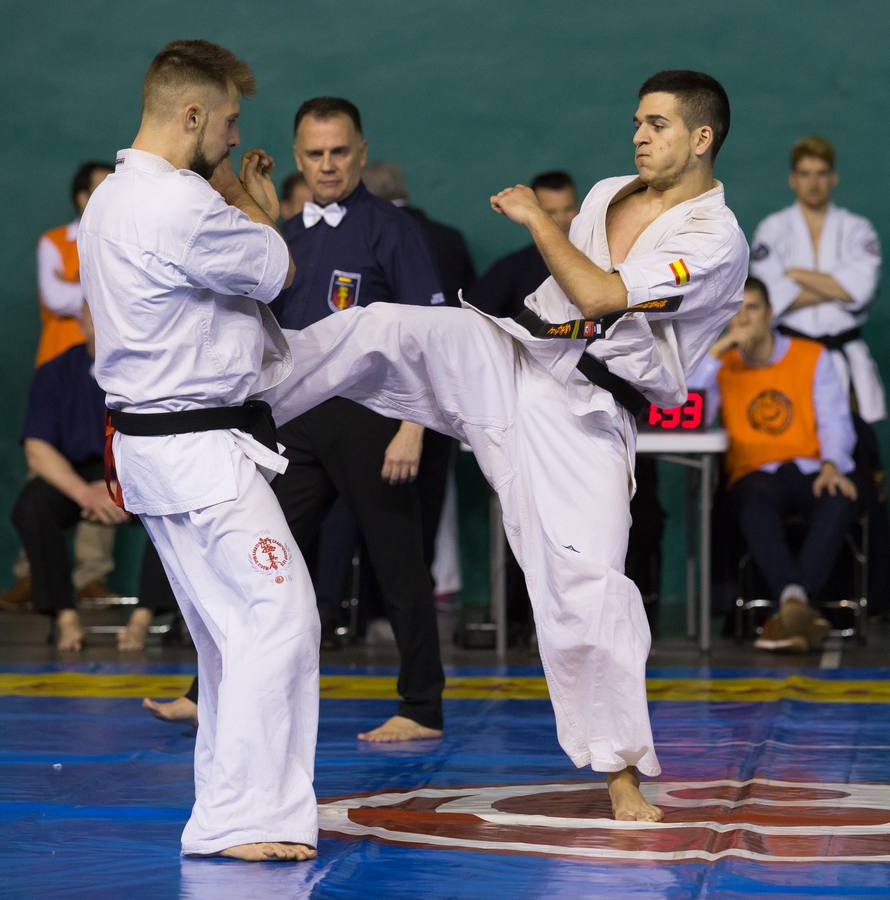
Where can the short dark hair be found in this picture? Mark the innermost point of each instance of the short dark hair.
(289, 183)
(703, 100)
(183, 63)
(753, 283)
(84, 175)
(326, 108)
(552, 181)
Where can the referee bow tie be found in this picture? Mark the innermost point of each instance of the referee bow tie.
(332, 214)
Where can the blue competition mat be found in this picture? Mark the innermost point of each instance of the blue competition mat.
(780, 797)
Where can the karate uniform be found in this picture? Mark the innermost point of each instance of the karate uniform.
(849, 250)
(177, 282)
(558, 450)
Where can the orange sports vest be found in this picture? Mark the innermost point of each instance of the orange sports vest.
(768, 411)
(59, 333)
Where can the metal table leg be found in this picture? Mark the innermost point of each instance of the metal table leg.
(704, 535)
(691, 581)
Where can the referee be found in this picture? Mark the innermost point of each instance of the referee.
(355, 249)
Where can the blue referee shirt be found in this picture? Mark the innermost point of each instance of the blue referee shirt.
(377, 252)
(66, 407)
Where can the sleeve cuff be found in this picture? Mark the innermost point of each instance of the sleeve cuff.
(637, 286)
(277, 258)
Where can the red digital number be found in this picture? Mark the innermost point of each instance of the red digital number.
(692, 411)
(672, 417)
(654, 414)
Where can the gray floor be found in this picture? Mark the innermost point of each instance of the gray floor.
(24, 639)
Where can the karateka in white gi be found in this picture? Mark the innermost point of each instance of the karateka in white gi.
(662, 254)
(177, 272)
(822, 264)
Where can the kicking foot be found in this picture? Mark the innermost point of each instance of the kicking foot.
(271, 851)
(133, 636)
(179, 710)
(628, 804)
(69, 634)
(399, 728)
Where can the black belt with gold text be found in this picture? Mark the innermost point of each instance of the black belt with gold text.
(593, 370)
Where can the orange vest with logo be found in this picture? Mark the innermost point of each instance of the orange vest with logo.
(59, 333)
(768, 411)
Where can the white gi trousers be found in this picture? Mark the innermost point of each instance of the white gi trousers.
(247, 599)
(564, 483)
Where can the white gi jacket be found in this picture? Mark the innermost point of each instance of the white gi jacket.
(850, 251)
(688, 267)
(189, 332)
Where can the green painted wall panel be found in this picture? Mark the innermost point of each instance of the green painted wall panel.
(468, 96)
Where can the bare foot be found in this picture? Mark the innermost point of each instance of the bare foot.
(628, 804)
(69, 634)
(399, 728)
(133, 636)
(271, 851)
(179, 710)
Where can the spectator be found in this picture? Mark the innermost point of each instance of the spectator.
(60, 302)
(295, 193)
(790, 452)
(502, 290)
(63, 440)
(821, 265)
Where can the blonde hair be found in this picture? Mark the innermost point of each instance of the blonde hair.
(812, 146)
(185, 63)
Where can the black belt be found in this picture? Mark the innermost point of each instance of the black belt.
(593, 370)
(829, 341)
(254, 417)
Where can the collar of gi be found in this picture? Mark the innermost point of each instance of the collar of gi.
(141, 159)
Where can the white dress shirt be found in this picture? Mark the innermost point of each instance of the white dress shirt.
(173, 276)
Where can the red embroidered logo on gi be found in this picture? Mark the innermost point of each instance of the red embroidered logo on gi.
(269, 554)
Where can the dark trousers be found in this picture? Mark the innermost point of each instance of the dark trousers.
(42, 515)
(762, 502)
(338, 449)
(340, 537)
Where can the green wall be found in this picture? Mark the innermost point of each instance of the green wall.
(468, 96)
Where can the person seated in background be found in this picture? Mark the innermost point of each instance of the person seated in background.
(63, 439)
(60, 300)
(294, 195)
(791, 443)
(502, 290)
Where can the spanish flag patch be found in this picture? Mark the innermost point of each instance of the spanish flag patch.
(681, 272)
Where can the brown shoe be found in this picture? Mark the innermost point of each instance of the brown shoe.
(775, 637)
(801, 620)
(96, 590)
(18, 597)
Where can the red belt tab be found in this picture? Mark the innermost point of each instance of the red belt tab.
(117, 496)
